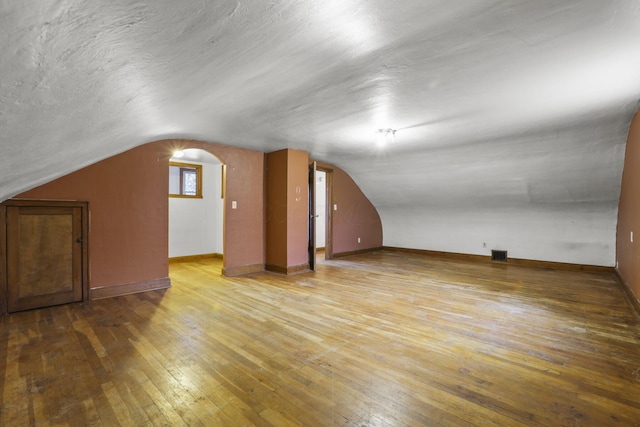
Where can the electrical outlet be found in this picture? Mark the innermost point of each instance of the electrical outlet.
(358, 240)
(484, 244)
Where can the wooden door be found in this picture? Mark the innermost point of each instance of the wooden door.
(312, 216)
(46, 256)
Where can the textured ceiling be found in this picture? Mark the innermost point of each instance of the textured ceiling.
(511, 102)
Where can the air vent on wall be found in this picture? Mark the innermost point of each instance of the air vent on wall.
(498, 256)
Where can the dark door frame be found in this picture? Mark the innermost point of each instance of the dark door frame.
(312, 215)
(328, 245)
(328, 214)
(84, 206)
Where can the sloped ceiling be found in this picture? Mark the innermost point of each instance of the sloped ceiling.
(495, 102)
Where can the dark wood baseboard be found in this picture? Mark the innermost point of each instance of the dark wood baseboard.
(191, 258)
(275, 268)
(129, 288)
(439, 254)
(244, 269)
(294, 269)
(561, 265)
(632, 299)
(358, 252)
(510, 261)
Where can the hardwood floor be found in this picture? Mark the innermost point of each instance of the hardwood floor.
(382, 339)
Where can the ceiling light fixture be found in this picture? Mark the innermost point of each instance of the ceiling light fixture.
(385, 135)
(178, 154)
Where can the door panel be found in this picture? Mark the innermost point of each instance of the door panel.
(44, 256)
(312, 216)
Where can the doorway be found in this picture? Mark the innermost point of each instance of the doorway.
(320, 213)
(321, 209)
(196, 221)
(46, 253)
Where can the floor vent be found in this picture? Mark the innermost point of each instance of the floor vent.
(498, 256)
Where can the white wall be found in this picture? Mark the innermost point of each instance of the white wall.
(321, 208)
(548, 194)
(195, 225)
(578, 234)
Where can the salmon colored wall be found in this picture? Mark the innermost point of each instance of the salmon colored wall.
(128, 208)
(287, 221)
(128, 205)
(244, 228)
(355, 217)
(298, 208)
(627, 252)
(276, 221)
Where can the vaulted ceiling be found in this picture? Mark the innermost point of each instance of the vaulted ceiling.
(506, 102)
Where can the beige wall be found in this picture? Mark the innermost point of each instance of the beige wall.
(627, 252)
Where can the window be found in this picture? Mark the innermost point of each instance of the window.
(185, 180)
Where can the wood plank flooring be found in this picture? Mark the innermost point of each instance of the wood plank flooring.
(382, 339)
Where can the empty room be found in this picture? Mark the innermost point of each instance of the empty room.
(320, 213)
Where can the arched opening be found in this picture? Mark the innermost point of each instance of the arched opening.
(196, 220)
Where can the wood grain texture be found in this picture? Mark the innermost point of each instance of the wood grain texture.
(44, 260)
(45, 253)
(379, 339)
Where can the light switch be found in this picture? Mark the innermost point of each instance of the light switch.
(234, 204)
(335, 207)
